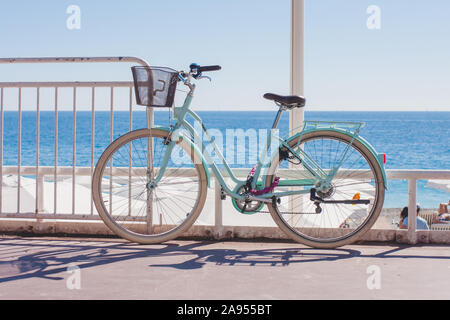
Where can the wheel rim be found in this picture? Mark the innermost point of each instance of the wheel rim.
(132, 204)
(336, 222)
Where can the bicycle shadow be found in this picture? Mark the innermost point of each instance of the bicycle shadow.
(280, 257)
(50, 258)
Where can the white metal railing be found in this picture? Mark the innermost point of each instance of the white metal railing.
(43, 172)
(412, 176)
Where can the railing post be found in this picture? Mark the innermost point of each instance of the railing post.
(19, 150)
(412, 211)
(74, 148)
(1, 149)
(55, 164)
(40, 193)
(39, 185)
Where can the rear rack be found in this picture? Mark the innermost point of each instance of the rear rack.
(344, 125)
(351, 127)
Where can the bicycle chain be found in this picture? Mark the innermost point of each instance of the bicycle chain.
(291, 212)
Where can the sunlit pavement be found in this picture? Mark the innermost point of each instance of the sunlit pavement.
(70, 268)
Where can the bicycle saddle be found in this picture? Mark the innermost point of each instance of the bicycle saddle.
(289, 101)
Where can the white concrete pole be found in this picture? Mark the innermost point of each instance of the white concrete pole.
(296, 116)
(412, 211)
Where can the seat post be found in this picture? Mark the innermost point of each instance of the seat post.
(277, 119)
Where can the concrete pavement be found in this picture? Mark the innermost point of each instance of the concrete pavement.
(71, 268)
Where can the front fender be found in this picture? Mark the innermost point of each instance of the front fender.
(363, 141)
(194, 147)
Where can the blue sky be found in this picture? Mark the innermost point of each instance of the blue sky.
(402, 66)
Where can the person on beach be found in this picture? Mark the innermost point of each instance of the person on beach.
(421, 222)
(443, 215)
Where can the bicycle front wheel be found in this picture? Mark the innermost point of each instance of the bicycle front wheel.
(129, 201)
(331, 223)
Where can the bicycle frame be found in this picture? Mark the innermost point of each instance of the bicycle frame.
(313, 168)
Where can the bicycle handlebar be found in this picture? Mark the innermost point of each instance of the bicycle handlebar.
(197, 70)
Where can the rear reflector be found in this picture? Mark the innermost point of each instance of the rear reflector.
(382, 157)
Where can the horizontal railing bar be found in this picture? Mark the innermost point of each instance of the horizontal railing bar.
(67, 216)
(74, 60)
(68, 84)
(241, 172)
(394, 174)
(86, 171)
(405, 174)
(44, 171)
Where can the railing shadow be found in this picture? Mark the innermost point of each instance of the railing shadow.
(48, 259)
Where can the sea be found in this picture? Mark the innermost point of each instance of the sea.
(411, 140)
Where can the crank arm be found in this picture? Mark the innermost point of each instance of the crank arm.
(265, 200)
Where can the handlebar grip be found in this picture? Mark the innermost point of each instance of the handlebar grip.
(209, 68)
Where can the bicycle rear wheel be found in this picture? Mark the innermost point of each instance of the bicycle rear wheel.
(359, 177)
(128, 200)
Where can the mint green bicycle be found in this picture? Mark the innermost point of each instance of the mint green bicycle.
(323, 186)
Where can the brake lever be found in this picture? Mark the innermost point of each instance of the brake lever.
(204, 77)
